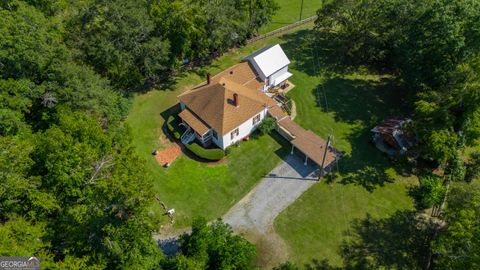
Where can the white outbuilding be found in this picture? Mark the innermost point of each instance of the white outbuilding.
(271, 64)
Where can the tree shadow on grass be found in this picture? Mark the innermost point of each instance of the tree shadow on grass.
(361, 100)
(311, 54)
(363, 103)
(298, 47)
(401, 241)
(365, 165)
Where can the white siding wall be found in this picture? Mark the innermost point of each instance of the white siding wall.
(243, 130)
(277, 74)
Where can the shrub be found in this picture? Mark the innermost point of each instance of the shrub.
(473, 167)
(172, 125)
(208, 154)
(457, 170)
(430, 192)
(267, 125)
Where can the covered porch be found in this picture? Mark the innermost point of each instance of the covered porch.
(195, 129)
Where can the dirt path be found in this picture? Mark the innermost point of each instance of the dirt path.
(254, 214)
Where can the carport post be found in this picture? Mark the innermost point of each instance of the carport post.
(322, 172)
(293, 147)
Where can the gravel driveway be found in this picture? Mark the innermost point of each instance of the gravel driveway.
(254, 214)
(275, 192)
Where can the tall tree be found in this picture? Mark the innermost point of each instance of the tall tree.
(430, 45)
(102, 191)
(117, 40)
(459, 246)
(213, 246)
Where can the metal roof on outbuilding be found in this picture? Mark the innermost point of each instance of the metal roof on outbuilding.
(269, 59)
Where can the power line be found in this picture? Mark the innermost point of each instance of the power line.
(301, 11)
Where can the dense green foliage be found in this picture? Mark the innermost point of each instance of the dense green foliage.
(212, 154)
(473, 168)
(459, 247)
(212, 246)
(430, 192)
(431, 48)
(431, 45)
(267, 125)
(72, 189)
(134, 42)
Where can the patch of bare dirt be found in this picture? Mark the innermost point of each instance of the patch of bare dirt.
(271, 249)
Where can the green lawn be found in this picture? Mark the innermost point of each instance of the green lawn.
(346, 106)
(315, 225)
(289, 13)
(193, 188)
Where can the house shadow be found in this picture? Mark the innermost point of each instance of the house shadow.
(294, 161)
(173, 111)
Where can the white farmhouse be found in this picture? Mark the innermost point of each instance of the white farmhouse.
(231, 105)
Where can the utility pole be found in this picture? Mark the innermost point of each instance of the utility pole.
(301, 11)
(322, 170)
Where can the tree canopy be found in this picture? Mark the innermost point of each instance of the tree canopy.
(431, 45)
(212, 246)
(72, 189)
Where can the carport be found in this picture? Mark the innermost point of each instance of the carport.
(311, 145)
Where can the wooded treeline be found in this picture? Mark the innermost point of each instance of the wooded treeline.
(432, 49)
(72, 189)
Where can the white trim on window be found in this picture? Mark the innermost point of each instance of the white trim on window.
(234, 133)
(256, 119)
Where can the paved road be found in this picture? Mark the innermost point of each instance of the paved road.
(275, 192)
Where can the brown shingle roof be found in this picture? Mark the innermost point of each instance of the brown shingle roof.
(314, 147)
(241, 73)
(194, 122)
(213, 103)
(277, 113)
(309, 143)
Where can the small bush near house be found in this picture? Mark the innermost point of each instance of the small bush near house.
(267, 125)
(172, 125)
(208, 154)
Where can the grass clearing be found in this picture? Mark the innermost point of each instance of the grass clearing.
(346, 106)
(289, 13)
(314, 226)
(191, 187)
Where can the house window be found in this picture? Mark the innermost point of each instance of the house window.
(256, 119)
(234, 133)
